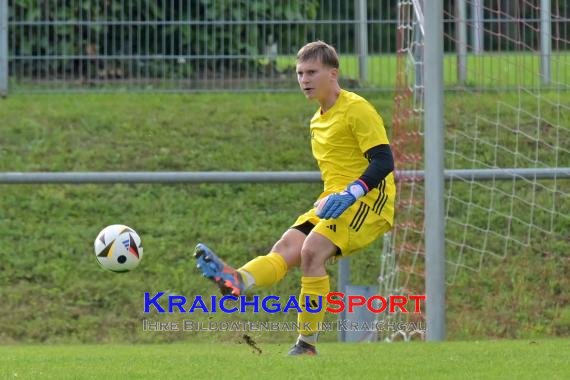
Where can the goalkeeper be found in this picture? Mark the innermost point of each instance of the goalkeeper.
(350, 145)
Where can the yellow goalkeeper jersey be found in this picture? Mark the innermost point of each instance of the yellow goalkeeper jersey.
(339, 139)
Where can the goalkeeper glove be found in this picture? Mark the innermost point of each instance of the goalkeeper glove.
(332, 206)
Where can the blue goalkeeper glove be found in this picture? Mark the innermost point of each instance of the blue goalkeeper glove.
(332, 206)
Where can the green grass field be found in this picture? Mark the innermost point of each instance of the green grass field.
(53, 291)
(521, 359)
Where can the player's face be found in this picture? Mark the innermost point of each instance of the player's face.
(315, 79)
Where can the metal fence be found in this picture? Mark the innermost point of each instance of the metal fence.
(200, 45)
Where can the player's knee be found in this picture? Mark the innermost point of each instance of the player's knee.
(282, 246)
(289, 250)
(311, 257)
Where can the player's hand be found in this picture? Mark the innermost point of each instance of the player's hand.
(332, 206)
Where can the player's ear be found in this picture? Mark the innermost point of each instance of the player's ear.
(333, 73)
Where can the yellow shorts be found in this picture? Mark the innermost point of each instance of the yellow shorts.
(355, 229)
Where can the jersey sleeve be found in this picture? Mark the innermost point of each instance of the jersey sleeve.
(366, 126)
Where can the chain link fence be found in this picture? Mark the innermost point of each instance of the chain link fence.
(226, 45)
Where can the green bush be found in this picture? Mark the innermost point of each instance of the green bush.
(120, 39)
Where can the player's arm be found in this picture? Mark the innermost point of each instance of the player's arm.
(381, 163)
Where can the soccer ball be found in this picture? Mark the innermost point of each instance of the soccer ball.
(118, 248)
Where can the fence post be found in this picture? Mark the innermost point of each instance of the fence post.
(362, 39)
(419, 51)
(461, 42)
(477, 26)
(3, 48)
(545, 40)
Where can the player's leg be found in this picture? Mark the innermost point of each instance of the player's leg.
(268, 270)
(355, 229)
(315, 252)
(261, 271)
(315, 286)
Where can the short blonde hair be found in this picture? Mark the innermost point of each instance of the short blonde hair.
(320, 51)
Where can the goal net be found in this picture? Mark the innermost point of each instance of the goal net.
(507, 153)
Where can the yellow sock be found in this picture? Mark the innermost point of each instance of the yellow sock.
(266, 270)
(313, 287)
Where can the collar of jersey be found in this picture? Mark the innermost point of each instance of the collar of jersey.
(335, 105)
